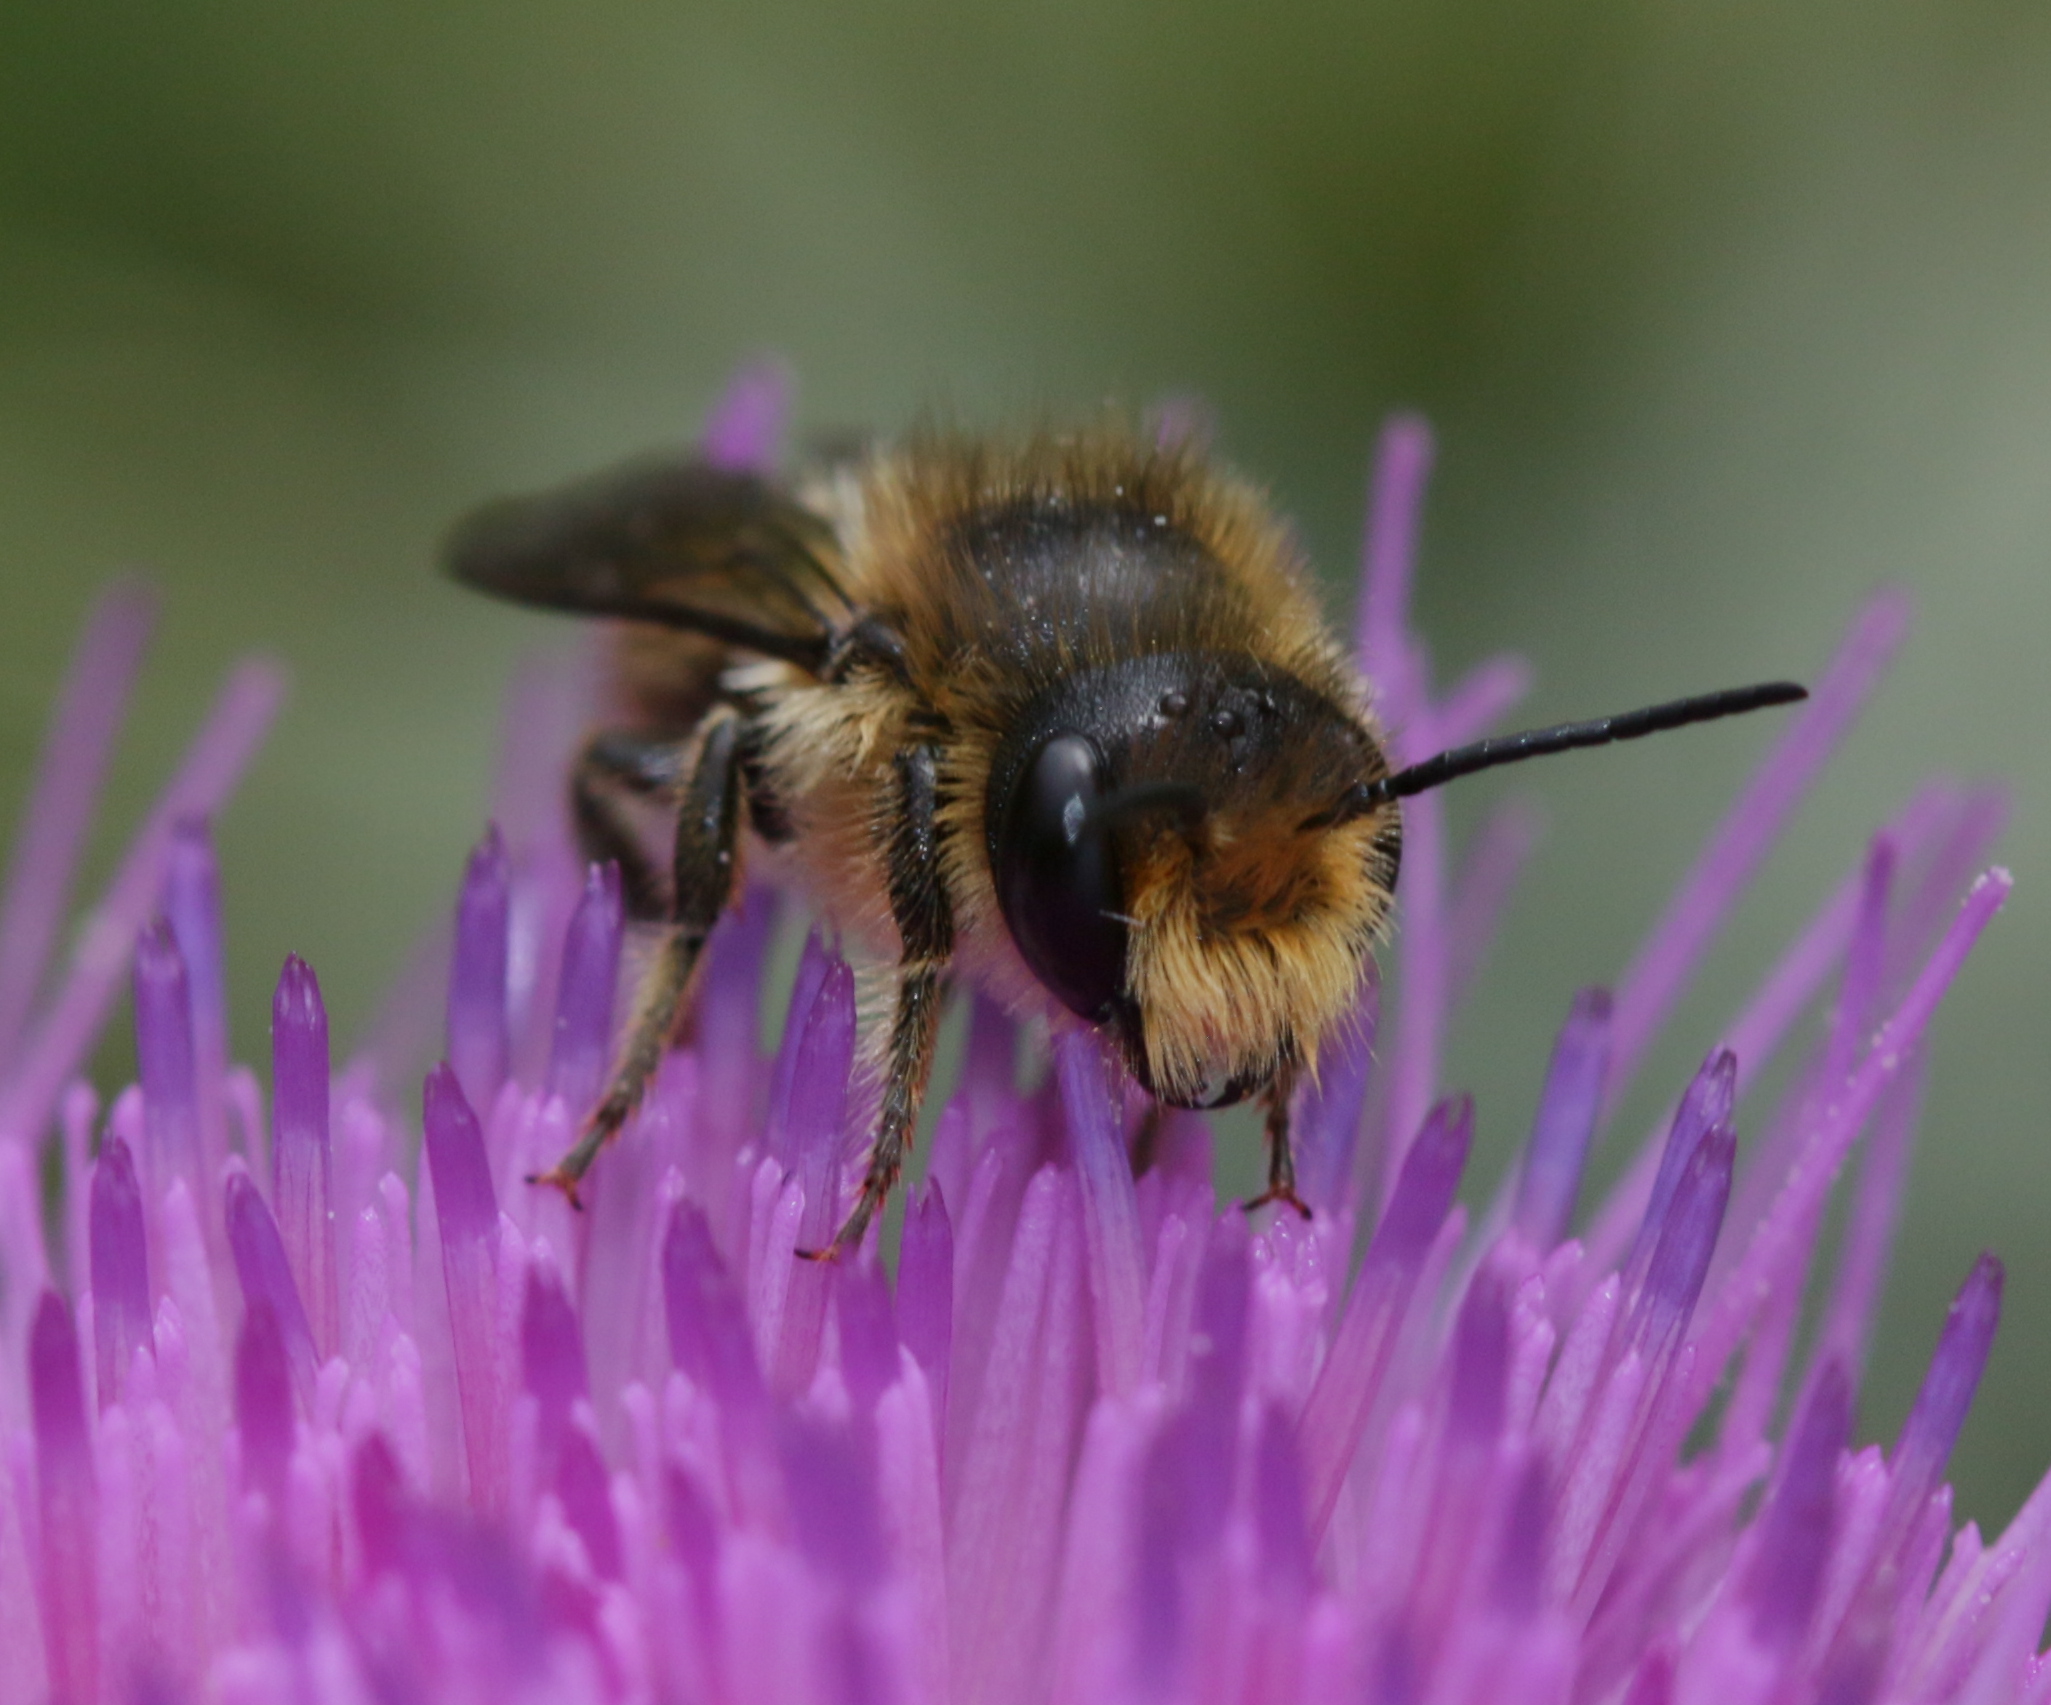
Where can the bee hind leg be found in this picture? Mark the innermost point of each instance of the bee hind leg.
(925, 925)
(1281, 1156)
(613, 764)
(703, 880)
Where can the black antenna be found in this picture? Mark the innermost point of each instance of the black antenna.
(1570, 736)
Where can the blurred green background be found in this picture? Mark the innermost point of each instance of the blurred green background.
(1725, 313)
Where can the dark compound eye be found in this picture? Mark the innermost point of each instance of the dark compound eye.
(1058, 885)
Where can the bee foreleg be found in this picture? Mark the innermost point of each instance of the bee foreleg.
(611, 764)
(708, 822)
(925, 926)
(1281, 1157)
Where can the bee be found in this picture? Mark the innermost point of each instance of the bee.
(1059, 714)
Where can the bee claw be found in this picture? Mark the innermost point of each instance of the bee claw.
(557, 1178)
(821, 1257)
(1283, 1193)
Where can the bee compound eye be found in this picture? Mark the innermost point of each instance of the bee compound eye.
(1057, 884)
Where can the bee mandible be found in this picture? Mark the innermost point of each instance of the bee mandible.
(1061, 714)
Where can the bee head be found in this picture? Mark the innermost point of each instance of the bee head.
(1176, 861)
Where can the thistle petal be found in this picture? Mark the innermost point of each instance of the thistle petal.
(301, 1156)
(584, 1001)
(120, 1269)
(1089, 1438)
(479, 1041)
(1567, 1112)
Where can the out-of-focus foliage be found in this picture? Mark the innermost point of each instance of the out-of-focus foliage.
(1724, 313)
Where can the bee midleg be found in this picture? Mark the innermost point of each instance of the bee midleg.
(1281, 1157)
(708, 824)
(611, 764)
(925, 926)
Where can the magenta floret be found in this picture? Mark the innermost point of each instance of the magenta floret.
(584, 996)
(479, 1047)
(365, 1416)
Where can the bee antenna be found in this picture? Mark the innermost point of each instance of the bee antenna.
(1568, 737)
(1178, 798)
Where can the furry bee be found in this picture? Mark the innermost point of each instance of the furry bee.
(1061, 714)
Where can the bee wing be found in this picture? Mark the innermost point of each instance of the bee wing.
(684, 545)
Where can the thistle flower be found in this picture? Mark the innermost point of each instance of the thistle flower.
(299, 1407)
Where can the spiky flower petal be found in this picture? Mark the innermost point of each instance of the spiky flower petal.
(331, 1406)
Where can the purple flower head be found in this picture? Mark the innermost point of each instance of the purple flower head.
(349, 1411)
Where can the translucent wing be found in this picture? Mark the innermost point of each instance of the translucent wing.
(680, 544)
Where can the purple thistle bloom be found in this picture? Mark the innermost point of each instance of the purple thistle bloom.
(360, 1415)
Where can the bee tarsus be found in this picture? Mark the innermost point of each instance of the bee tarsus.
(555, 1178)
(1285, 1195)
(925, 926)
(1281, 1152)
